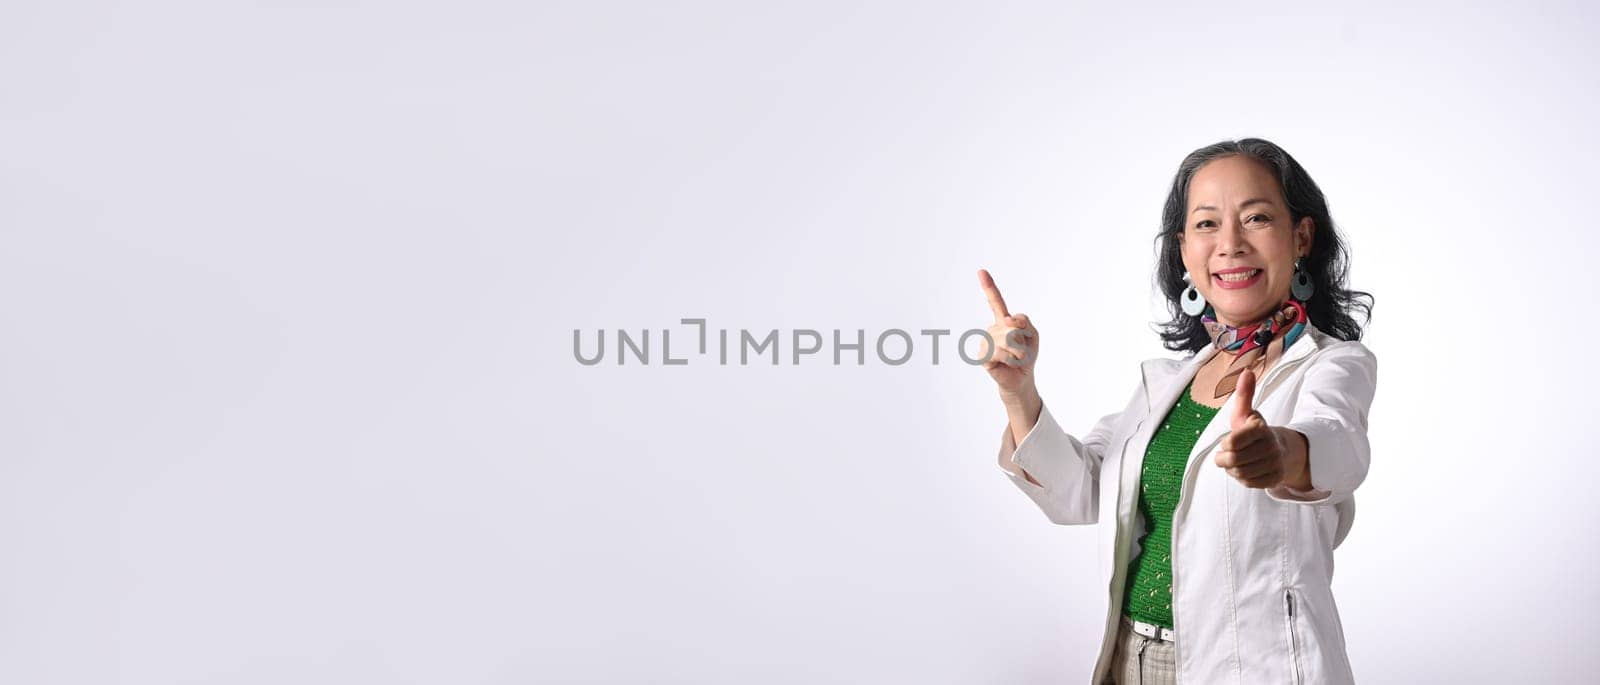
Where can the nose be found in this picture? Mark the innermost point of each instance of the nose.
(1230, 238)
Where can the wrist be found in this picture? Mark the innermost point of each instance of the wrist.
(1024, 400)
(1298, 472)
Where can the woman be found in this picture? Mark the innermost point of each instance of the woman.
(1225, 483)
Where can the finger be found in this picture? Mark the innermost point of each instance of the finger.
(1000, 360)
(1244, 395)
(997, 304)
(1258, 452)
(1003, 337)
(1018, 342)
(1265, 480)
(1252, 470)
(1230, 459)
(1013, 349)
(1254, 430)
(1017, 339)
(1023, 322)
(1005, 354)
(1003, 341)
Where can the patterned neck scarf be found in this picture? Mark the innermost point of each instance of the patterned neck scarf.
(1251, 346)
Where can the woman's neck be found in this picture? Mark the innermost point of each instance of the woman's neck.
(1241, 323)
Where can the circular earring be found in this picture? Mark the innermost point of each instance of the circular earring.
(1301, 287)
(1193, 302)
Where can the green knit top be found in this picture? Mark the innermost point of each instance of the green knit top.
(1149, 590)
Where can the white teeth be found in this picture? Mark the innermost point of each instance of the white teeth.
(1239, 275)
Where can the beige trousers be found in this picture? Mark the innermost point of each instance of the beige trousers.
(1140, 660)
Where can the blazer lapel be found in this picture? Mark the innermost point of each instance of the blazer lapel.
(1164, 380)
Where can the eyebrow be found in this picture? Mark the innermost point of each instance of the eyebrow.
(1242, 205)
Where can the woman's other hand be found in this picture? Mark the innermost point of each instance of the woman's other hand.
(1256, 454)
(1016, 343)
(1016, 348)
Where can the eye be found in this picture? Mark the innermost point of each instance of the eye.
(1205, 223)
(1258, 218)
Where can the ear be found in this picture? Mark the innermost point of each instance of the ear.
(1304, 232)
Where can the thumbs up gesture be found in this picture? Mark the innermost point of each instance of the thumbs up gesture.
(1255, 454)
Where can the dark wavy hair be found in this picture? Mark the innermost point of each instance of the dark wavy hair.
(1330, 308)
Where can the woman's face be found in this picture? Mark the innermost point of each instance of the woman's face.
(1238, 242)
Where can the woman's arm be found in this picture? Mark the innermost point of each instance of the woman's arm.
(1022, 415)
(1331, 416)
(1296, 475)
(1057, 470)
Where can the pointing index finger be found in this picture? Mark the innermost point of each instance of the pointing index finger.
(997, 304)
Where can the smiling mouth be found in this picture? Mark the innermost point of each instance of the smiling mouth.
(1237, 279)
(1237, 276)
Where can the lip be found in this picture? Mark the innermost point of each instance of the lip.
(1216, 278)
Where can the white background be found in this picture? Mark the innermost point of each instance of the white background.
(287, 390)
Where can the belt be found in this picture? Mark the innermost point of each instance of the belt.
(1152, 630)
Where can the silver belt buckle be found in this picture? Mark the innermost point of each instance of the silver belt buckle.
(1151, 630)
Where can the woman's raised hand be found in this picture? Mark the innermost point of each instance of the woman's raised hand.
(1016, 348)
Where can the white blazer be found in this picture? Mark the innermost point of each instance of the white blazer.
(1251, 567)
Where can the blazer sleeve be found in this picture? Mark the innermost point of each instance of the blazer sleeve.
(1066, 466)
(1331, 411)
